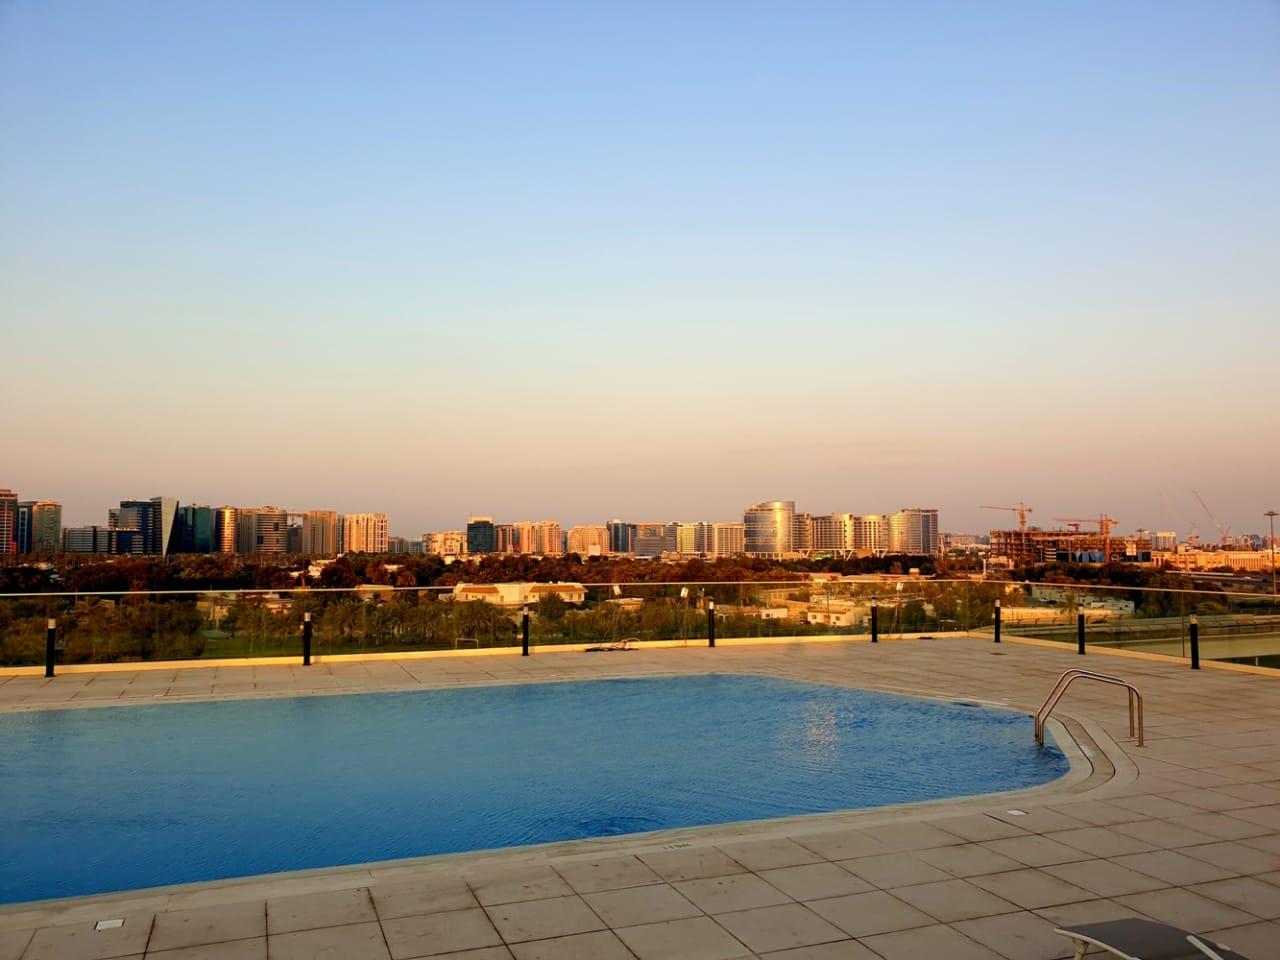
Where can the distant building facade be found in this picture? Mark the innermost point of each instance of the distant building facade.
(481, 536)
(914, 531)
(768, 528)
(225, 523)
(320, 533)
(88, 539)
(8, 523)
(365, 533)
(589, 540)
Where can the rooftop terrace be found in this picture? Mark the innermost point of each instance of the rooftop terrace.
(1185, 830)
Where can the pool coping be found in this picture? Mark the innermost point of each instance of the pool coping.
(1095, 763)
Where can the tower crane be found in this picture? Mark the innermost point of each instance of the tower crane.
(1104, 521)
(1021, 510)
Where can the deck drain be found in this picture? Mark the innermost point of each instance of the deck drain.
(1016, 813)
(115, 924)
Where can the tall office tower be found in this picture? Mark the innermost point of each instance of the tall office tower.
(320, 533)
(1164, 540)
(293, 539)
(8, 522)
(481, 537)
(833, 533)
(654, 539)
(802, 532)
(224, 529)
(193, 530)
(506, 538)
(768, 527)
(548, 541)
(523, 538)
(687, 544)
(589, 540)
(160, 525)
(90, 539)
(914, 531)
(270, 530)
(153, 520)
(246, 531)
(728, 539)
(871, 534)
(622, 536)
(22, 530)
(45, 533)
(365, 533)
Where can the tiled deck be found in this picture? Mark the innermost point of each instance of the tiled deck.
(1184, 830)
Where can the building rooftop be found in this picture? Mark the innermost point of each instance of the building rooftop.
(1185, 830)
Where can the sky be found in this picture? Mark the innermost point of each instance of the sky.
(645, 260)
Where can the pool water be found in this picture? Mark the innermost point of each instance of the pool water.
(120, 798)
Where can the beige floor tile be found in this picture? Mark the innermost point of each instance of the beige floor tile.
(601, 945)
(895, 869)
(542, 919)
(1235, 856)
(1251, 940)
(978, 827)
(188, 928)
(911, 836)
(609, 874)
(355, 941)
(692, 864)
(1037, 819)
(841, 950)
(1031, 889)
(866, 914)
(1104, 878)
(1221, 826)
(439, 933)
(415, 897)
(633, 906)
(484, 953)
(1173, 867)
(815, 881)
(325, 909)
(779, 927)
(699, 938)
(1088, 911)
(728, 894)
(1101, 842)
(841, 844)
(968, 860)
(1036, 851)
(953, 900)
(935, 941)
(13, 942)
(80, 941)
(760, 855)
(1246, 893)
(255, 949)
(1018, 936)
(512, 886)
(1185, 909)
(1164, 835)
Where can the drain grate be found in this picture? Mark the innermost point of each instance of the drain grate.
(115, 924)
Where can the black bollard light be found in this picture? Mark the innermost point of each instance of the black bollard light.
(1080, 634)
(997, 621)
(711, 623)
(875, 622)
(306, 639)
(524, 632)
(1195, 643)
(50, 645)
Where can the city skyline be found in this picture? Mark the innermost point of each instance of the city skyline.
(567, 259)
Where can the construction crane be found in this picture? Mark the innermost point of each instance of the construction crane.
(1224, 536)
(1104, 521)
(1021, 510)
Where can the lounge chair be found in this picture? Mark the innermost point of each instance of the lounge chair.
(1135, 939)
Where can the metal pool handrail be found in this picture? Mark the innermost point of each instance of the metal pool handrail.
(1064, 681)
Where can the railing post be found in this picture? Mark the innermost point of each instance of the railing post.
(50, 645)
(1195, 643)
(875, 622)
(524, 632)
(1080, 633)
(306, 639)
(997, 620)
(711, 623)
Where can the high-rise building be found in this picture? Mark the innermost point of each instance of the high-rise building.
(833, 533)
(225, 523)
(769, 526)
(22, 531)
(320, 533)
(45, 532)
(246, 531)
(365, 533)
(270, 530)
(654, 539)
(481, 536)
(153, 521)
(506, 538)
(687, 539)
(589, 540)
(622, 536)
(914, 531)
(445, 543)
(545, 540)
(871, 534)
(8, 522)
(293, 538)
(90, 539)
(194, 530)
(802, 533)
(728, 539)
(1164, 540)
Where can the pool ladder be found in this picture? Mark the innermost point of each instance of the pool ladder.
(1064, 681)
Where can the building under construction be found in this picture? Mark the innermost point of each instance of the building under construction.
(1034, 545)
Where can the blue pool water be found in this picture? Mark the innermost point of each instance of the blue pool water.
(127, 797)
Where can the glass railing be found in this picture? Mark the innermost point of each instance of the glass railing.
(128, 626)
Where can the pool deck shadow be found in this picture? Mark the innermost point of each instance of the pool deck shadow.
(1185, 830)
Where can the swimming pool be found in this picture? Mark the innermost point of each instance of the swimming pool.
(120, 798)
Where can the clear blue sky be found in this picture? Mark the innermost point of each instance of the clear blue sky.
(652, 260)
